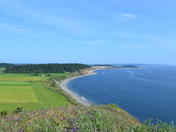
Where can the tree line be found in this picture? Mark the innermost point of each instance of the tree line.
(45, 68)
(4, 65)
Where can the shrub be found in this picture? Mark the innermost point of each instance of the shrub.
(4, 112)
(19, 109)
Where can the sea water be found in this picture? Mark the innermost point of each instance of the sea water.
(148, 92)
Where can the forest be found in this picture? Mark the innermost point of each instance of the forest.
(4, 65)
(45, 68)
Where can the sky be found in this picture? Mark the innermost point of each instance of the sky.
(88, 31)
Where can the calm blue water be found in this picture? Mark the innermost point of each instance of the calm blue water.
(145, 93)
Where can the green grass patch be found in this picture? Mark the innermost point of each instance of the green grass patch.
(12, 83)
(17, 94)
(2, 69)
(24, 77)
(35, 96)
(27, 91)
(20, 77)
(14, 75)
(59, 74)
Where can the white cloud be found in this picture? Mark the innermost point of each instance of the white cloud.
(128, 16)
(18, 29)
(18, 10)
(96, 42)
(124, 16)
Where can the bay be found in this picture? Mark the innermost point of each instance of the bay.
(148, 92)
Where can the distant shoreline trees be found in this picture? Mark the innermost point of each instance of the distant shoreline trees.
(4, 65)
(45, 68)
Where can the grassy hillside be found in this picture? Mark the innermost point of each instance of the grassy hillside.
(96, 118)
(27, 91)
(103, 118)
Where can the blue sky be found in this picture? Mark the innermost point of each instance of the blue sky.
(88, 31)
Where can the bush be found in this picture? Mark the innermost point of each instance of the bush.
(19, 109)
(4, 112)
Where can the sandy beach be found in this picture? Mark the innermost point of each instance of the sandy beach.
(78, 98)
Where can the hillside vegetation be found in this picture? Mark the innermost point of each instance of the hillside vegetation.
(45, 68)
(103, 118)
(4, 65)
(96, 118)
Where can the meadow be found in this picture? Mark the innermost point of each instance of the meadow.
(18, 90)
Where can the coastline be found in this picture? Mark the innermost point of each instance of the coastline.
(78, 98)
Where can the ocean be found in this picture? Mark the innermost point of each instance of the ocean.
(148, 92)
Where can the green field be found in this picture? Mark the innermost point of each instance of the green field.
(17, 94)
(26, 91)
(2, 69)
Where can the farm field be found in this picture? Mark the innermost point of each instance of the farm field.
(2, 69)
(26, 91)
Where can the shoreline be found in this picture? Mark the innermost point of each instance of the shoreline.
(77, 97)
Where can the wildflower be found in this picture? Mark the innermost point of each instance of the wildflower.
(20, 130)
(74, 129)
(74, 120)
(63, 107)
(30, 124)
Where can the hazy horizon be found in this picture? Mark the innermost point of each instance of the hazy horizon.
(95, 63)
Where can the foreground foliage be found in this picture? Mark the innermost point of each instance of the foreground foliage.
(81, 119)
(104, 118)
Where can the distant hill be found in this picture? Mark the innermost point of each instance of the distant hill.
(129, 66)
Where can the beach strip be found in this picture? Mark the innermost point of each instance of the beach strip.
(78, 98)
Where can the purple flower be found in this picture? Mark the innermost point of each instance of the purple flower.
(43, 114)
(74, 129)
(30, 124)
(20, 130)
(74, 120)
(62, 107)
